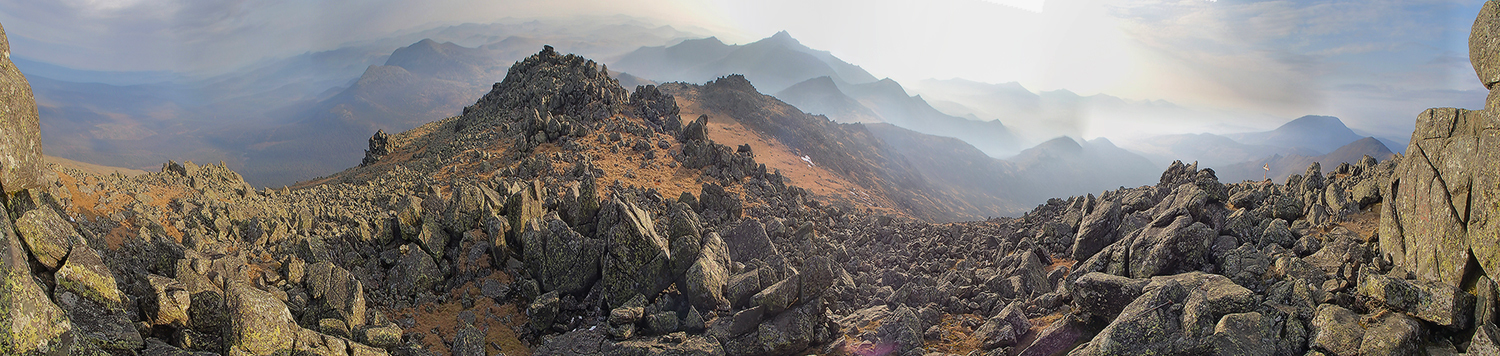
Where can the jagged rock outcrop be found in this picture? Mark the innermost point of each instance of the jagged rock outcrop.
(1443, 197)
(20, 131)
(380, 146)
(559, 258)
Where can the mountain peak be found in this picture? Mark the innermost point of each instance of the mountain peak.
(784, 38)
(553, 83)
(1314, 122)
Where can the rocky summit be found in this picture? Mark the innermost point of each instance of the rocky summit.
(563, 214)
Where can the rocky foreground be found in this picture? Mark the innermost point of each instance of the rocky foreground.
(551, 218)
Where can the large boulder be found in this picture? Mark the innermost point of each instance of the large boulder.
(1483, 228)
(1393, 334)
(47, 235)
(1057, 338)
(794, 330)
(20, 131)
(85, 274)
(409, 217)
(1442, 200)
(523, 206)
(261, 324)
(749, 241)
(98, 324)
(1216, 297)
(29, 321)
(1336, 331)
(172, 301)
(1484, 44)
(1243, 334)
(1170, 245)
(335, 293)
(705, 281)
(559, 258)
(1149, 325)
(414, 271)
(1437, 303)
(1100, 297)
(1098, 229)
(902, 330)
(638, 260)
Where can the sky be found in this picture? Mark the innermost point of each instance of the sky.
(1374, 63)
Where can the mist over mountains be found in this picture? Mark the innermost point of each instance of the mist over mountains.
(292, 119)
(1000, 145)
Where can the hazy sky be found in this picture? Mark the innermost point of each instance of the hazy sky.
(1374, 63)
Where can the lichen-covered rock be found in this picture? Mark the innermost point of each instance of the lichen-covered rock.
(261, 325)
(409, 217)
(1168, 248)
(85, 274)
(1151, 323)
(1423, 227)
(902, 330)
(662, 323)
(749, 241)
(779, 296)
(1242, 334)
(1057, 338)
(675, 344)
(816, 276)
(1436, 302)
(433, 239)
(414, 271)
(1098, 229)
(29, 321)
(543, 311)
(468, 341)
(1483, 228)
(796, 329)
(522, 207)
(337, 292)
(1278, 232)
(20, 131)
(1336, 331)
(1214, 298)
(1486, 340)
(1484, 44)
(383, 337)
(995, 333)
(1100, 297)
(559, 258)
(98, 324)
(638, 260)
(1392, 334)
(465, 210)
(172, 302)
(47, 236)
(705, 281)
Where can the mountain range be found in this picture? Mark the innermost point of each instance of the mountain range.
(296, 118)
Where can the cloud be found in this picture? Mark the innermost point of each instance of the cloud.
(216, 35)
(1289, 57)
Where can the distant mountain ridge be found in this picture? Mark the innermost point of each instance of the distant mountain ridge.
(253, 117)
(1279, 167)
(1322, 134)
(1288, 149)
(887, 101)
(773, 64)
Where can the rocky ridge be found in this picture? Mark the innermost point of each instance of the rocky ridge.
(552, 218)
